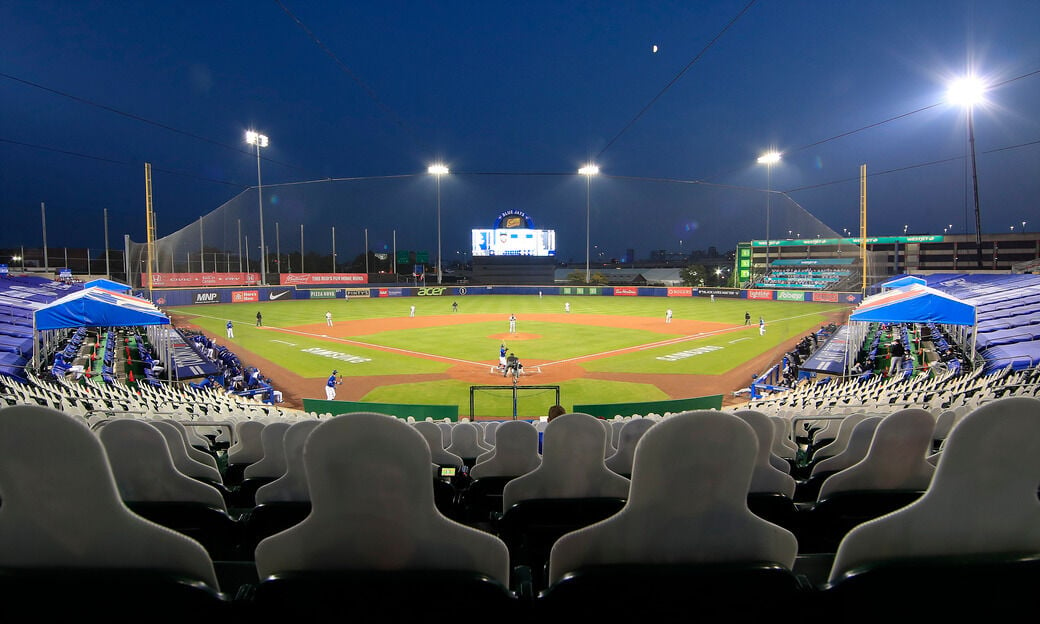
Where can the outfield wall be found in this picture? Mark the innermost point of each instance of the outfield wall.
(400, 410)
(195, 296)
(642, 408)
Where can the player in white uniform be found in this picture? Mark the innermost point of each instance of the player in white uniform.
(668, 315)
(512, 323)
(328, 319)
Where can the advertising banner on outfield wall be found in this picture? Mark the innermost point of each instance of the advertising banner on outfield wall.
(321, 279)
(626, 291)
(171, 280)
(790, 295)
(245, 296)
(357, 292)
(391, 292)
(279, 294)
(680, 292)
(322, 293)
(205, 297)
(717, 292)
(825, 297)
(759, 294)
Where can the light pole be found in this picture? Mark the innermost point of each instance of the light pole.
(968, 92)
(260, 140)
(437, 170)
(588, 171)
(768, 159)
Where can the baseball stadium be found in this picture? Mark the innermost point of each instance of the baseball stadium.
(346, 383)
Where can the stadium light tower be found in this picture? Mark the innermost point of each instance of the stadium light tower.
(437, 170)
(768, 159)
(968, 92)
(588, 171)
(260, 140)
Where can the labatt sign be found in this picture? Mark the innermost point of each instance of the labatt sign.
(201, 279)
(321, 278)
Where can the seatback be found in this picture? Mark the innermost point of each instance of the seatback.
(248, 447)
(143, 467)
(842, 440)
(190, 442)
(373, 508)
(982, 499)
(490, 431)
(61, 507)
(465, 442)
(621, 461)
(433, 435)
(572, 464)
(185, 465)
(687, 503)
(765, 478)
(783, 447)
(515, 454)
(855, 450)
(896, 459)
(291, 487)
(272, 464)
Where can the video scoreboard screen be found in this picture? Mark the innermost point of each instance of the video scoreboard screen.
(514, 242)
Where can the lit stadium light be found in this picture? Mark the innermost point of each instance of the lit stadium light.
(968, 91)
(259, 140)
(588, 171)
(438, 170)
(769, 158)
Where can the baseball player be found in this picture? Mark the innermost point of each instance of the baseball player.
(512, 323)
(411, 312)
(761, 326)
(668, 315)
(502, 356)
(230, 330)
(328, 319)
(567, 307)
(330, 385)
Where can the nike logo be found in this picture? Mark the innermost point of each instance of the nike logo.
(272, 296)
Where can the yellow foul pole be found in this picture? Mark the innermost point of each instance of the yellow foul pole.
(863, 223)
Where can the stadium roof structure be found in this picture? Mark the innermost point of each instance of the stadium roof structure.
(914, 304)
(108, 284)
(97, 307)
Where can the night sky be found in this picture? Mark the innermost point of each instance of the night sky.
(514, 98)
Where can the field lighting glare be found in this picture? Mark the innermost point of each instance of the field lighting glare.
(769, 158)
(966, 91)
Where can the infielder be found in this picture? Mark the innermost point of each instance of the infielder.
(330, 385)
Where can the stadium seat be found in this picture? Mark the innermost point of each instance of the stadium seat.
(465, 443)
(685, 539)
(67, 540)
(855, 450)
(270, 467)
(630, 434)
(374, 535)
(973, 536)
(247, 449)
(766, 479)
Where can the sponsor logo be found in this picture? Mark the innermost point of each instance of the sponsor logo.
(430, 292)
(207, 297)
(202, 279)
(680, 292)
(850, 298)
(790, 295)
(383, 292)
(342, 357)
(718, 292)
(759, 294)
(322, 278)
(461, 291)
(319, 293)
(275, 296)
(245, 296)
(682, 355)
(357, 292)
(160, 301)
(625, 292)
(825, 297)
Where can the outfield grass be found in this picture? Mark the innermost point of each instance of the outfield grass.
(475, 342)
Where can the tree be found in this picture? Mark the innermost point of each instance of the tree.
(693, 275)
(599, 279)
(576, 277)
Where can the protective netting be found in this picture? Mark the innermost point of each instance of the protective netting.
(644, 215)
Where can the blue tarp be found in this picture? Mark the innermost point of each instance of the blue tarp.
(914, 304)
(108, 284)
(831, 357)
(1018, 356)
(97, 307)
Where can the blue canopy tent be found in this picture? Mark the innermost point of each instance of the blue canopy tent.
(914, 303)
(95, 307)
(108, 284)
(900, 282)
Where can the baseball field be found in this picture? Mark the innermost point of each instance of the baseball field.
(604, 350)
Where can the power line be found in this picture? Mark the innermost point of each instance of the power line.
(676, 78)
(369, 91)
(118, 162)
(145, 120)
(877, 173)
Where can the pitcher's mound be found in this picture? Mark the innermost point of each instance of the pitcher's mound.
(507, 337)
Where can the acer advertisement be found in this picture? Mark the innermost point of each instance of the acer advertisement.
(321, 279)
(245, 296)
(173, 280)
